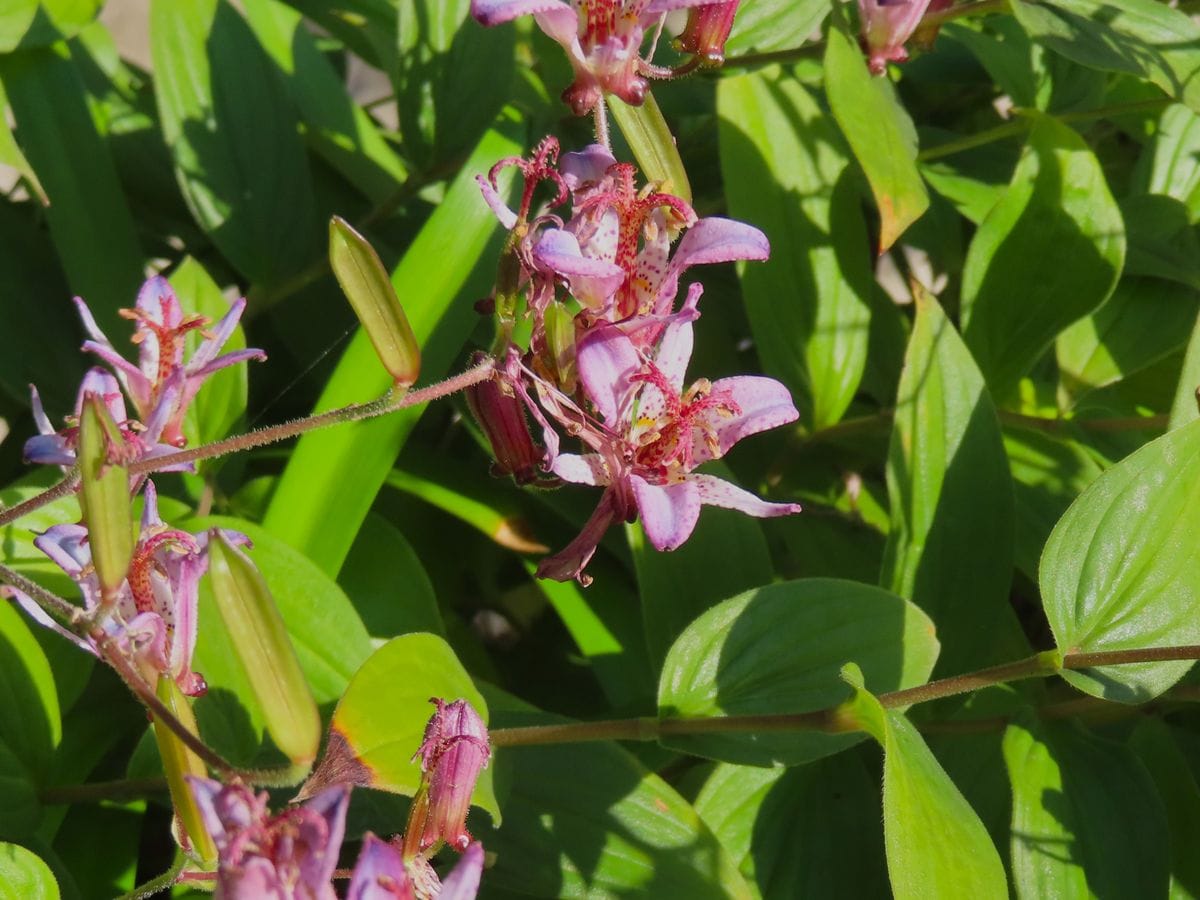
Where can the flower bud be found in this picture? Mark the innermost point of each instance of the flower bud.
(502, 417)
(560, 343)
(260, 641)
(454, 751)
(104, 495)
(178, 761)
(707, 30)
(367, 286)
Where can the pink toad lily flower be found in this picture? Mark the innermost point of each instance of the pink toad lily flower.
(602, 38)
(707, 30)
(153, 622)
(380, 874)
(654, 435)
(57, 447)
(453, 752)
(288, 856)
(888, 24)
(162, 384)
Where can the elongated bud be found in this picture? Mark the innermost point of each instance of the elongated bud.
(260, 641)
(502, 417)
(178, 761)
(707, 30)
(560, 342)
(104, 495)
(454, 751)
(367, 286)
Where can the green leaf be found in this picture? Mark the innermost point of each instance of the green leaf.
(333, 476)
(1170, 162)
(365, 748)
(766, 25)
(1138, 37)
(453, 77)
(1122, 568)
(1153, 742)
(387, 583)
(89, 220)
(1049, 252)
(652, 143)
(945, 463)
(23, 875)
(340, 130)
(1082, 809)
(1186, 405)
(30, 722)
(221, 402)
(1145, 320)
(833, 849)
(1162, 240)
(726, 555)
(232, 131)
(880, 133)
(25, 24)
(936, 845)
(330, 640)
(779, 649)
(11, 155)
(785, 170)
(594, 821)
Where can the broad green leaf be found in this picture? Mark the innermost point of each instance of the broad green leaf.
(807, 831)
(23, 875)
(25, 24)
(1122, 568)
(1145, 320)
(936, 845)
(786, 170)
(330, 640)
(880, 133)
(340, 130)
(365, 748)
(11, 155)
(30, 722)
(231, 128)
(1163, 242)
(1170, 162)
(333, 476)
(1048, 473)
(389, 587)
(1139, 37)
(1186, 405)
(89, 219)
(1083, 808)
(945, 464)
(1049, 252)
(779, 649)
(594, 822)
(452, 79)
(221, 402)
(767, 25)
(1153, 742)
(368, 27)
(726, 555)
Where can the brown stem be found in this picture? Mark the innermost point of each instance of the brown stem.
(64, 487)
(64, 611)
(102, 791)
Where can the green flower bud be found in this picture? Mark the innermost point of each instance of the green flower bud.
(260, 641)
(104, 495)
(367, 286)
(179, 761)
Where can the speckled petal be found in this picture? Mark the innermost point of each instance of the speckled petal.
(668, 512)
(714, 491)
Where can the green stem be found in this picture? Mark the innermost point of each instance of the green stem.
(962, 10)
(100, 791)
(831, 720)
(157, 885)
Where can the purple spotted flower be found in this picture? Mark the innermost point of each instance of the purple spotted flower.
(288, 856)
(653, 434)
(602, 38)
(162, 385)
(380, 874)
(453, 752)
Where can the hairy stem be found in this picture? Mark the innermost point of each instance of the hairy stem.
(832, 720)
(64, 487)
(157, 885)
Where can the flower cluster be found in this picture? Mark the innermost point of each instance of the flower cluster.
(292, 855)
(160, 386)
(609, 350)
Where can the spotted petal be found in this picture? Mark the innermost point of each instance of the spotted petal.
(714, 491)
(592, 281)
(711, 240)
(497, 12)
(668, 512)
(763, 402)
(607, 362)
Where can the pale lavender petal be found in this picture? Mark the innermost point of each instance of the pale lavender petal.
(715, 491)
(101, 383)
(711, 240)
(606, 360)
(150, 516)
(763, 402)
(507, 217)
(463, 882)
(48, 450)
(89, 322)
(675, 346)
(135, 382)
(586, 469)
(496, 12)
(250, 354)
(67, 546)
(41, 617)
(586, 167)
(658, 7)
(331, 804)
(218, 336)
(144, 638)
(379, 873)
(157, 299)
(668, 512)
(570, 562)
(593, 281)
(560, 23)
(44, 425)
